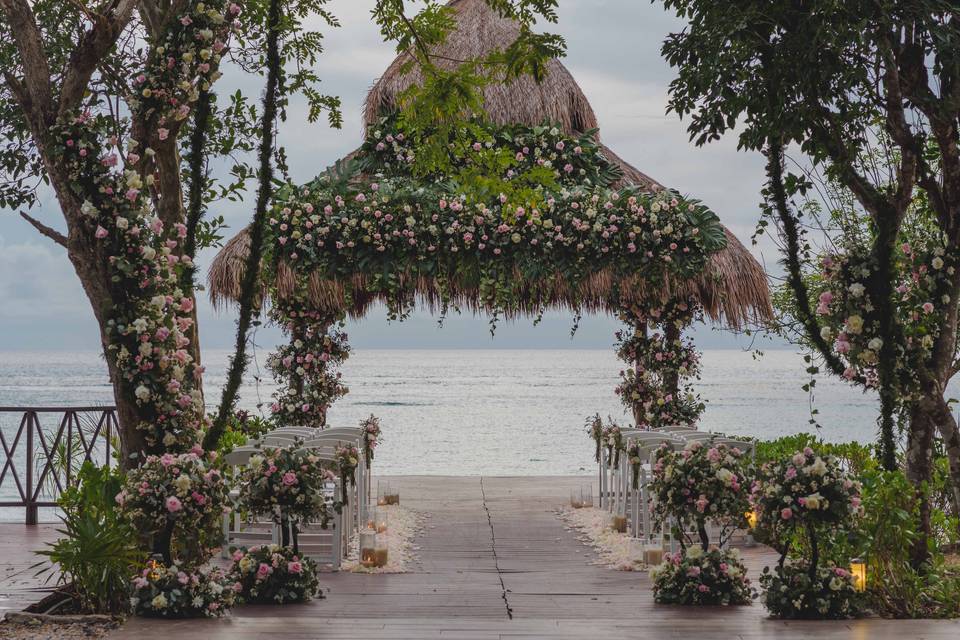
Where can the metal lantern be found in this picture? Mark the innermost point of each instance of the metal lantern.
(858, 568)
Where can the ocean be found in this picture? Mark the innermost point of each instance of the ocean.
(497, 412)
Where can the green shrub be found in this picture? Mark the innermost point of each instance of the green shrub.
(97, 552)
(885, 538)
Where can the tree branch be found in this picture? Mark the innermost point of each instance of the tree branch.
(36, 69)
(791, 233)
(50, 232)
(93, 46)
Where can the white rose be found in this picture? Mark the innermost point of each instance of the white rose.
(938, 263)
(875, 344)
(142, 393)
(169, 439)
(160, 602)
(856, 289)
(139, 325)
(149, 253)
(159, 301)
(694, 552)
(182, 483)
(88, 209)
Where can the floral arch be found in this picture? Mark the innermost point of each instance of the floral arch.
(532, 213)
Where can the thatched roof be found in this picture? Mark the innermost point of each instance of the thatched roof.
(732, 288)
(480, 31)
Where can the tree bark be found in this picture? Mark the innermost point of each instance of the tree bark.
(918, 470)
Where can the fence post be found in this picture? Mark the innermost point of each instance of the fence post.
(31, 517)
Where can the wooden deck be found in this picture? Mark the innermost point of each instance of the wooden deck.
(496, 563)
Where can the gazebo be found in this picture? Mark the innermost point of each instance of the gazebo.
(731, 288)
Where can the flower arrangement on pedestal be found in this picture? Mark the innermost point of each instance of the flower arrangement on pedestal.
(272, 574)
(180, 592)
(348, 458)
(176, 502)
(288, 485)
(371, 437)
(704, 485)
(607, 436)
(801, 503)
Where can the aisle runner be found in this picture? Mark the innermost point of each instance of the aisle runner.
(615, 550)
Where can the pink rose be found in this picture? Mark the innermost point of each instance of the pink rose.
(264, 570)
(786, 513)
(173, 504)
(101, 233)
(294, 567)
(289, 478)
(927, 307)
(693, 572)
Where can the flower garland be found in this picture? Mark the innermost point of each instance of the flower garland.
(371, 437)
(178, 502)
(656, 386)
(272, 574)
(174, 592)
(149, 324)
(850, 321)
(306, 368)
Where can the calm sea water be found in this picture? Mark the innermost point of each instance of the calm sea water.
(491, 411)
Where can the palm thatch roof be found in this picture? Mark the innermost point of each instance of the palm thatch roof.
(732, 288)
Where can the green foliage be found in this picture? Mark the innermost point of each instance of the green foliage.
(97, 552)
(885, 537)
(854, 457)
(451, 89)
(241, 427)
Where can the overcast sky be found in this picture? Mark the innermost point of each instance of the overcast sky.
(612, 51)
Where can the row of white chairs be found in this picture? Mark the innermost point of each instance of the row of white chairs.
(328, 546)
(617, 494)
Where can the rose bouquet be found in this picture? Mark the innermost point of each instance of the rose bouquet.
(801, 502)
(178, 592)
(177, 501)
(701, 483)
(790, 591)
(698, 577)
(595, 430)
(272, 574)
(287, 484)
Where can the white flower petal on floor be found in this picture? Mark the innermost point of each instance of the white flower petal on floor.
(614, 550)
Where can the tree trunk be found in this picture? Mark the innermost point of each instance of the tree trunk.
(92, 270)
(919, 470)
(671, 378)
(951, 444)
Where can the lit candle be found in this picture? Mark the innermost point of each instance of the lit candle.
(859, 570)
(751, 517)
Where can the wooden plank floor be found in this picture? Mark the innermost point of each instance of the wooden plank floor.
(496, 563)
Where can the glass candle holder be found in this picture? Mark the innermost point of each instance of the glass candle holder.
(370, 516)
(380, 521)
(368, 549)
(383, 493)
(653, 553)
(586, 496)
(381, 553)
(618, 522)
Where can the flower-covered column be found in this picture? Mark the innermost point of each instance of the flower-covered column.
(656, 384)
(306, 368)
